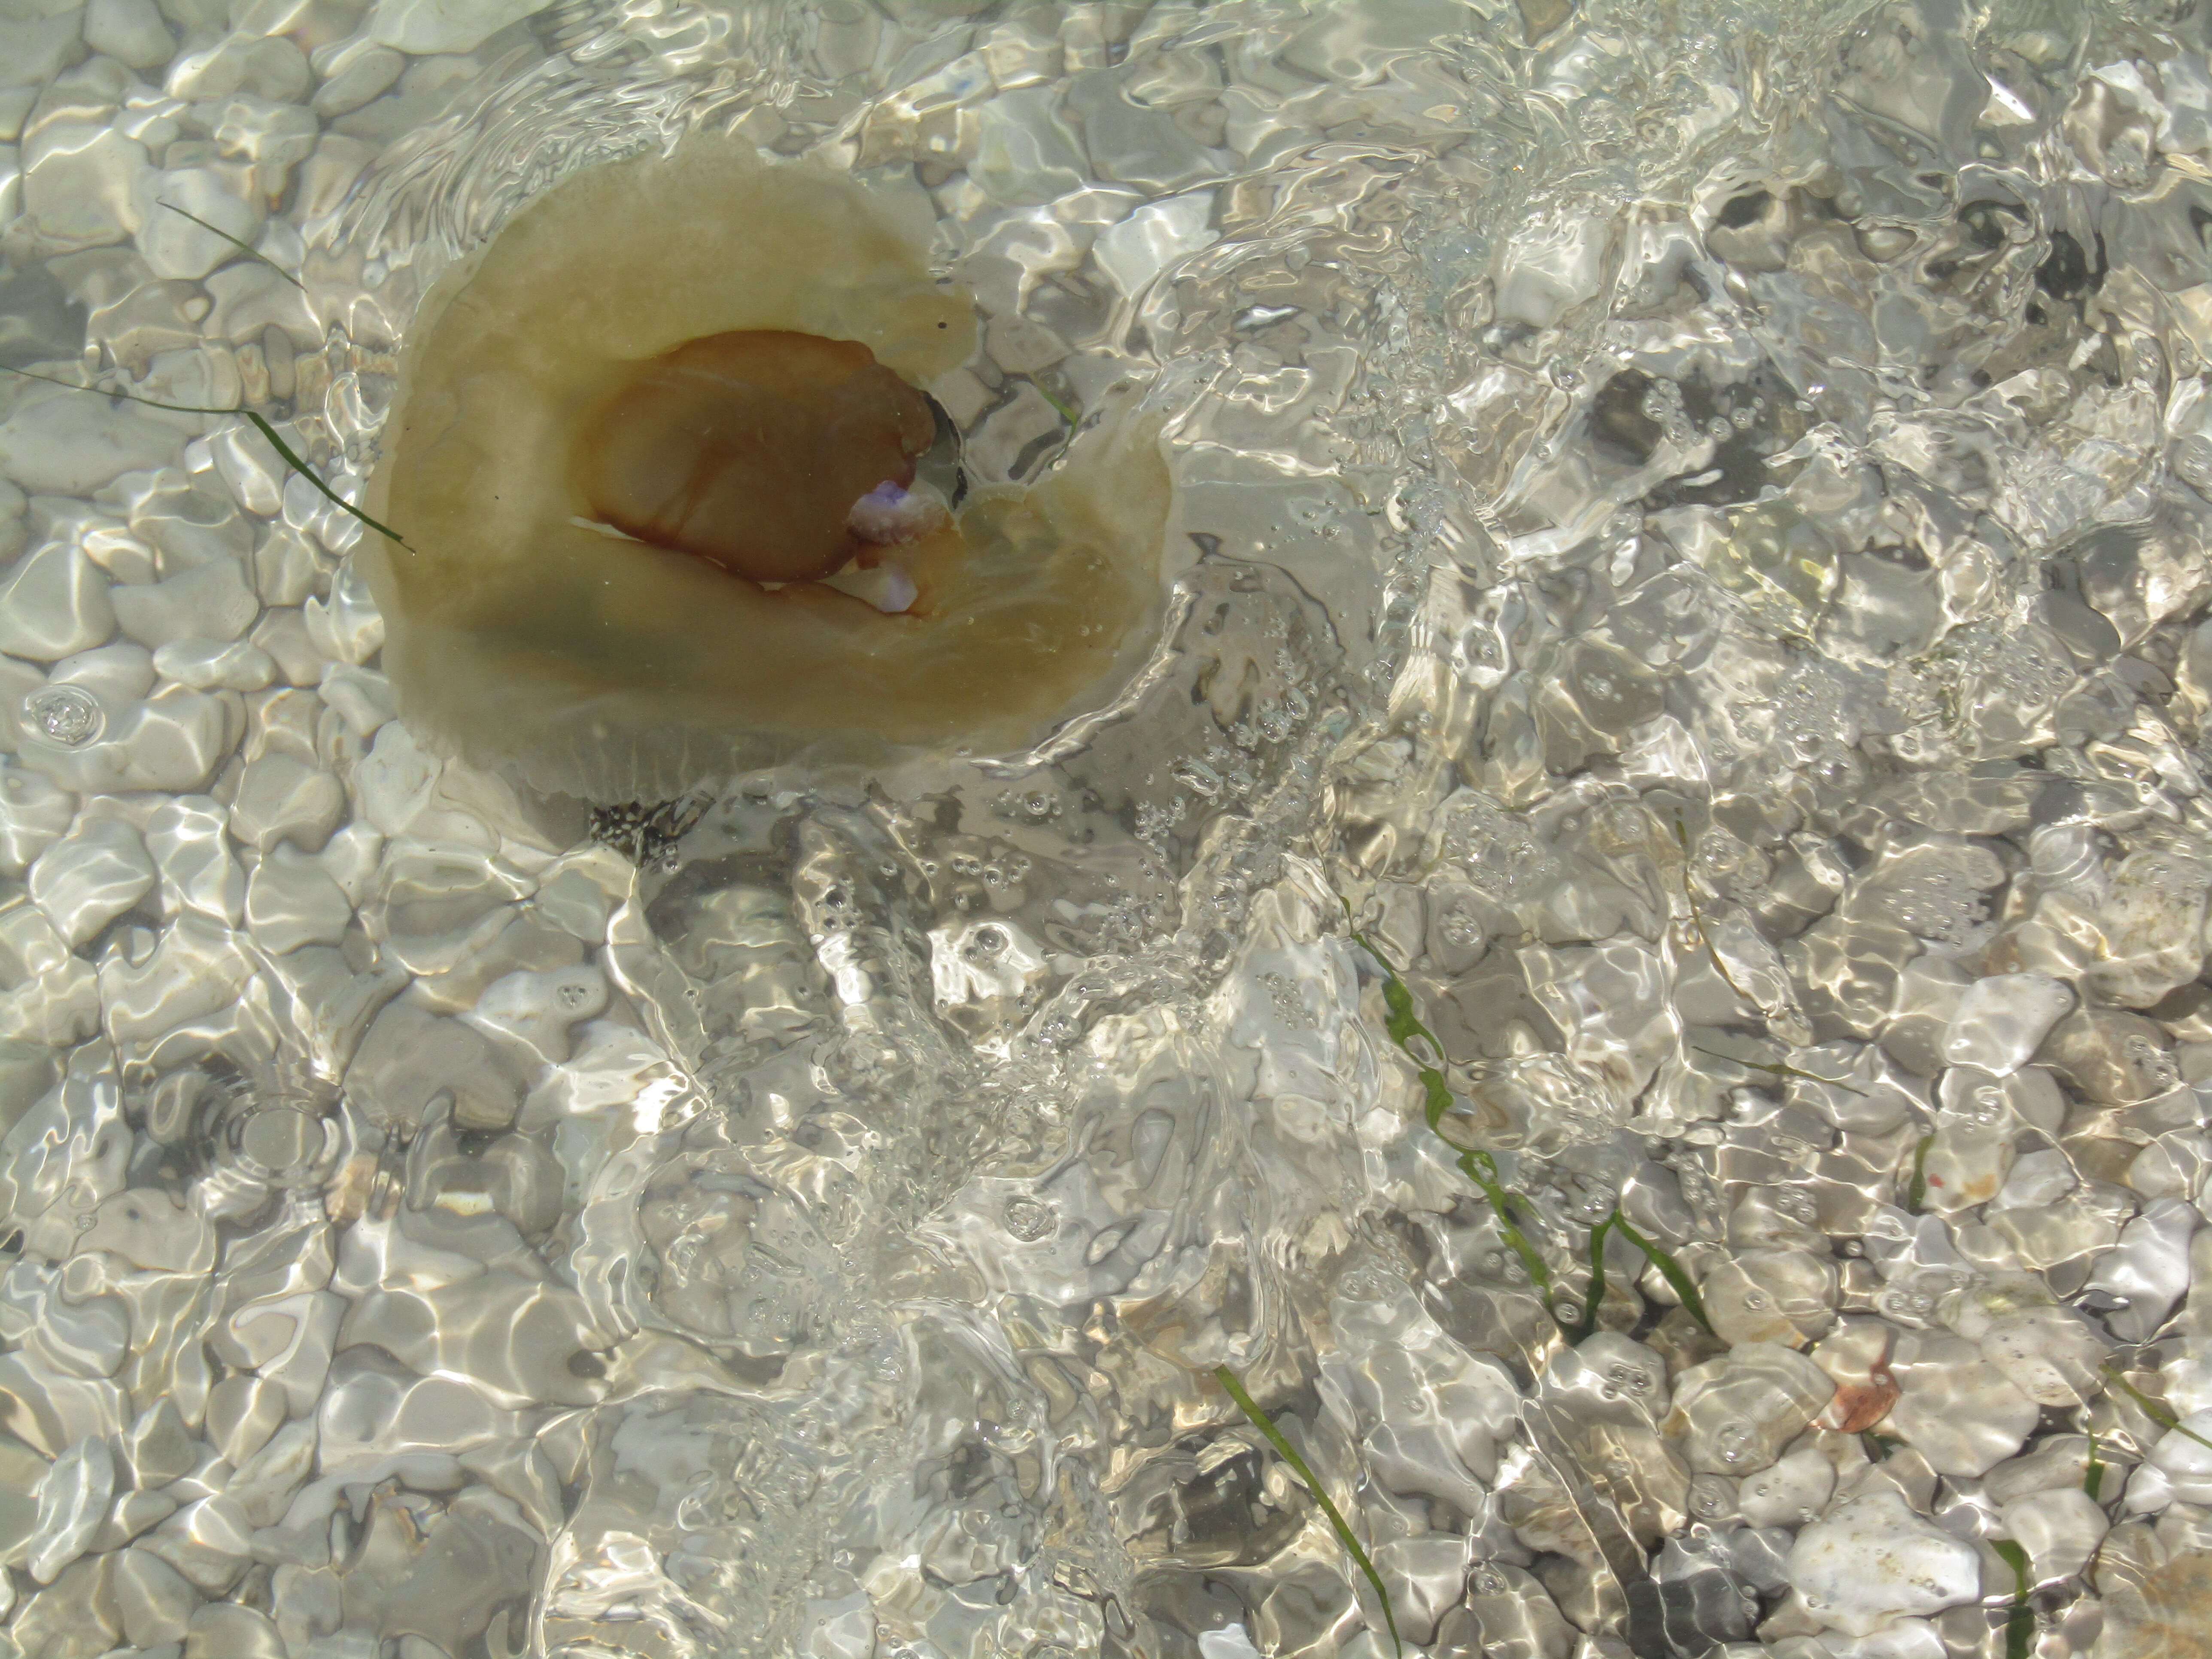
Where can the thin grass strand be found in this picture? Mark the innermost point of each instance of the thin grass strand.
(260, 425)
(1672, 1271)
(2020, 1617)
(247, 248)
(1265, 1424)
(2157, 1411)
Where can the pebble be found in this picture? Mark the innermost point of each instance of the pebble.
(75, 1614)
(2184, 1460)
(408, 1058)
(1872, 1560)
(436, 907)
(72, 1501)
(131, 31)
(184, 837)
(1791, 1494)
(242, 1411)
(535, 1011)
(206, 665)
(2049, 1355)
(211, 603)
(357, 71)
(284, 799)
(1136, 249)
(346, 626)
(393, 782)
(1740, 1411)
(232, 1630)
(71, 443)
(34, 813)
(53, 601)
(151, 1230)
(2060, 1528)
(79, 177)
(2001, 1020)
(2148, 1269)
(91, 876)
(208, 1541)
(1957, 1410)
(172, 740)
(1771, 1295)
(291, 900)
(153, 1600)
(423, 27)
(362, 696)
(267, 66)
(175, 246)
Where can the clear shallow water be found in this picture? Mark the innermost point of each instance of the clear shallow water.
(1697, 535)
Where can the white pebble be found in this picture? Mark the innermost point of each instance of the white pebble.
(90, 876)
(2048, 1354)
(206, 665)
(77, 179)
(2149, 1267)
(268, 66)
(246, 464)
(536, 1008)
(2002, 1019)
(351, 856)
(898, 591)
(2060, 1528)
(209, 602)
(423, 27)
(2037, 1178)
(191, 853)
(33, 811)
(354, 72)
(2150, 1489)
(361, 696)
(282, 798)
(176, 738)
(54, 603)
(291, 900)
(2184, 1458)
(1548, 272)
(128, 30)
(175, 246)
(1907, 1638)
(1790, 1494)
(1873, 1560)
(72, 1499)
(1958, 1411)
(69, 443)
(116, 674)
(393, 782)
(347, 625)
(172, 741)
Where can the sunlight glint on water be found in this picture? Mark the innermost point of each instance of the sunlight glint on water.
(1693, 524)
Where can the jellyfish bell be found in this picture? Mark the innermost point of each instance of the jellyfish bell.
(666, 503)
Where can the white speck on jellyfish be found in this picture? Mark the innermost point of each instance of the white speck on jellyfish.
(890, 513)
(898, 591)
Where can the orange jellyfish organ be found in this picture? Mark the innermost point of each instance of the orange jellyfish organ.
(752, 448)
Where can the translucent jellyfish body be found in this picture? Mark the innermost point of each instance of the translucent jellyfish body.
(653, 459)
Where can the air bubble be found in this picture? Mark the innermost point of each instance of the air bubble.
(68, 716)
(2192, 463)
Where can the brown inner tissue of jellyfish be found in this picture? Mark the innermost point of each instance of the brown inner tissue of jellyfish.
(749, 450)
